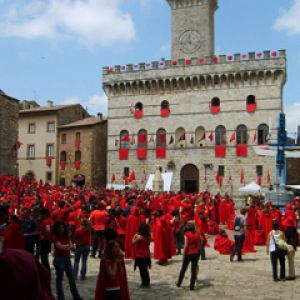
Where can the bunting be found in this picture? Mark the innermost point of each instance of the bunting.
(242, 177)
(171, 140)
(232, 138)
(254, 137)
(211, 136)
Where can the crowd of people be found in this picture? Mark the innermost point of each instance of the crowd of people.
(112, 225)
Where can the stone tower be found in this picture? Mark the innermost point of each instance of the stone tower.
(193, 28)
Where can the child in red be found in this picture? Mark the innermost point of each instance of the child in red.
(141, 241)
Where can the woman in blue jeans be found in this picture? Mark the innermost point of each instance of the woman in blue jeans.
(62, 261)
(82, 238)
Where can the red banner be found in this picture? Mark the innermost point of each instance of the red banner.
(220, 151)
(242, 150)
(251, 107)
(77, 144)
(49, 161)
(77, 164)
(215, 109)
(164, 112)
(141, 153)
(142, 138)
(138, 114)
(63, 165)
(160, 152)
(123, 153)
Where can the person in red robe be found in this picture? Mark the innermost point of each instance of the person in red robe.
(222, 211)
(290, 214)
(23, 277)
(132, 228)
(112, 279)
(250, 228)
(222, 243)
(13, 237)
(164, 243)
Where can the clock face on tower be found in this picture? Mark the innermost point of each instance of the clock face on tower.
(190, 41)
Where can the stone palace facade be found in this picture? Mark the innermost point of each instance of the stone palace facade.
(196, 115)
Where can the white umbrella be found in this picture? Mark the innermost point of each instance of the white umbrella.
(250, 188)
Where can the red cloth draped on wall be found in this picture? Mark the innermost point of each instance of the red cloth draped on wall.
(242, 150)
(63, 165)
(142, 138)
(220, 150)
(141, 153)
(77, 164)
(164, 112)
(251, 107)
(138, 114)
(77, 143)
(160, 152)
(215, 109)
(123, 153)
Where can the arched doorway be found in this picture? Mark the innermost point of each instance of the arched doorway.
(78, 180)
(29, 175)
(189, 179)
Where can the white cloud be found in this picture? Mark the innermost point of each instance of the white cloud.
(90, 22)
(293, 117)
(289, 20)
(95, 104)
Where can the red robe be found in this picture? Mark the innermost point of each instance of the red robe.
(250, 232)
(222, 212)
(259, 238)
(132, 227)
(265, 222)
(223, 244)
(13, 237)
(102, 277)
(164, 244)
(23, 277)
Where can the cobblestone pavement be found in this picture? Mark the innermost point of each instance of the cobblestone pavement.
(218, 279)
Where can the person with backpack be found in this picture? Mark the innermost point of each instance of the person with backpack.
(239, 235)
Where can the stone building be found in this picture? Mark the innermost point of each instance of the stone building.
(197, 115)
(38, 133)
(82, 152)
(9, 111)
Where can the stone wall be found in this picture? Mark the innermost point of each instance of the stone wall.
(9, 110)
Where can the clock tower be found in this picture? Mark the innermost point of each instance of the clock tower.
(193, 28)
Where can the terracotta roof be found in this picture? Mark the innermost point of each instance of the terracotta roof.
(84, 122)
(46, 108)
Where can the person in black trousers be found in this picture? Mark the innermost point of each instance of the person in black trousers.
(239, 235)
(276, 254)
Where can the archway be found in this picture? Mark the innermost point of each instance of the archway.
(29, 175)
(78, 180)
(189, 179)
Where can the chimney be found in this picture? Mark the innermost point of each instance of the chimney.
(100, 116)
(49, 103)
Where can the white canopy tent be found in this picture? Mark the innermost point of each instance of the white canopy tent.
(251, 188)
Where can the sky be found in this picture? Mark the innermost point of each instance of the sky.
(55, 49)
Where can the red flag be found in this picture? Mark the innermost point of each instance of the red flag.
(77, 143)
(125, 138)
(268, 177)
(18, 145)
(259, 180)
(182, 137)
(132, 141)
(232, 138)
(113, 178)
(151, 140)
(254, 137)
(192, 139)
(49, 161)
(211, 136)
(132, 176)
(242, 177)
(171, 140)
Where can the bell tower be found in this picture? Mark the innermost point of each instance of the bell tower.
(193, 28)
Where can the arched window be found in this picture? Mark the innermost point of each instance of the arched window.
(200, 136)
(262, 134)
(220, 135)
(164, 108)
(215, 105)
(63, 156)
(77, 155)
(77, 140)
(161, 138)
(142, 138)
(138, 110)
(180, 137)
(251, 103)
(124, 139)
(241, 135)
